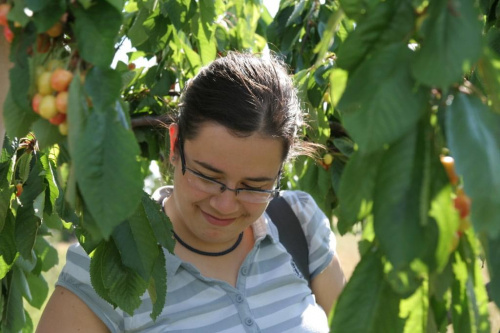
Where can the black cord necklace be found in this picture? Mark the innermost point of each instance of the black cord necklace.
(211, 254)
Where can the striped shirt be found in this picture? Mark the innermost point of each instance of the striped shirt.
(270, 293)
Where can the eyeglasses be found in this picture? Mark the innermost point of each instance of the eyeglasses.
(209, 185)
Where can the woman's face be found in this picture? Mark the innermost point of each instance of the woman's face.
(213, 221)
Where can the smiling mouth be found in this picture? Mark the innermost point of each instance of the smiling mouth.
(217, 221)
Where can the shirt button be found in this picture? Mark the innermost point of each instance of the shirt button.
(244, 270)
(239, 298)
(249, 321)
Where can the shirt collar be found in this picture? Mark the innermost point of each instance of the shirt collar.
(264, 227)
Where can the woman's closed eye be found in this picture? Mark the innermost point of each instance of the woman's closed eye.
(255, 187)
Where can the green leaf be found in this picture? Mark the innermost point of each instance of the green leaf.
(451, 43)
(96, 29)
(157, 288)
(136, 243)
(356, 188)
(473, 134)
(46, 254)
(447, 219)
(491, 247)
(77, 112)
(103, 86)
(37, 5)
(489, 70)
(297, 12)
(381, 103)
(46, 133)
(177, 11)
(355, 9)
(344, 145)
(415, 310)
(124, 284)
(14, 311)
(338, 81)
(6, 191)
(39, 289)
(47, 16)
(24, 166)
(160, 223)
(387, 22)
(97, 272)
(108, 173)
(118, 4)
(367, 303)
(396, 206)
(8, 250)
(18, 118)
(466, 316)
(52, 191)
(26, 230)
(137, 32)
(34, 185)
(205, 33)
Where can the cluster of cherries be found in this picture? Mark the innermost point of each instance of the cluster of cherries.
(51, 98)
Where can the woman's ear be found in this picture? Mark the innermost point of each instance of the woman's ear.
(174, 134)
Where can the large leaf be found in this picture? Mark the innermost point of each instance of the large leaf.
(367, 303)
(18, 118)
(205, 33)
(136, 243)
(39, 289)
(157, 288)
(489, 70)
(14, 312)
(160, 223)
(415, 311)
(356, 188)
(108, 173)
(473, 134)
(447, 219)
(103, 86)
(137, 32)
(177, 11)
(6, 191)
(491, 246)
(381, 102)
(46, 254)
(52, 191)
(451, 42)
(396, 206)
(469, 303)
(27, 224)
(355, 9)
(388, 22)
(96, 29)
(8, 250)
(125, 286)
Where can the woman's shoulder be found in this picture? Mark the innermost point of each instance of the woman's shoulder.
(299, 200)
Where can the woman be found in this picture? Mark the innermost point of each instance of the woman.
(237, 125)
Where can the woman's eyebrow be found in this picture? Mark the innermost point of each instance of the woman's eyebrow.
(214, 169)
(208, 166)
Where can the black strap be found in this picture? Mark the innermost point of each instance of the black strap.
(290, 231)
(291, 234)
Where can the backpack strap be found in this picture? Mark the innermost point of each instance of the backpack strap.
(289, 229)
(291, 234)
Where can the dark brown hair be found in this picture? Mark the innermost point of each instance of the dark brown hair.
(247, 94)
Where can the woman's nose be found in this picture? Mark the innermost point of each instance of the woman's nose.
(226, 202)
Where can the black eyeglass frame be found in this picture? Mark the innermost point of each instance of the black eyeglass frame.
(223, 187)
